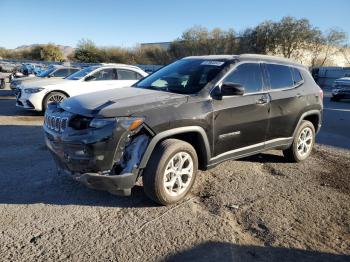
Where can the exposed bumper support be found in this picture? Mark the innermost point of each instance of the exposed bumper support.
(117, 185)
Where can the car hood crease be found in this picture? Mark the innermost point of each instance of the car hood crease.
(121, 102)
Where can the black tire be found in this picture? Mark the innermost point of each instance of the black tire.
(51, 95)
(154, 173)
(2, 83)
(292, 153)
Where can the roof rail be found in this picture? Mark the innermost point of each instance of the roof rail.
(270, 58)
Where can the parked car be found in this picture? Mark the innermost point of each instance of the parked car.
(31, 69)
(192, 114)
(53, 72)
(37, 95)
(2, 81)
(7, 67)
(341, 88)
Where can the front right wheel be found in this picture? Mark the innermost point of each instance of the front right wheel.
(303, 142)
(170, 172)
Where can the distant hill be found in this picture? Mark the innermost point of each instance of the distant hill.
(66, 50)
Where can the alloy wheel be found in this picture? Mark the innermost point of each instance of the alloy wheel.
(178, 174)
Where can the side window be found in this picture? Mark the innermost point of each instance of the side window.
(249, 75)
(296, 76)
(280, 76)
(128, 75)
(72, 71)
(105, 74)
(61, 72)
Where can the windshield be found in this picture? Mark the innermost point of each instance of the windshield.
(82, 73)
(186, 76)
(46, 72)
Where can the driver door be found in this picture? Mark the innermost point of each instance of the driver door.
(241, 121)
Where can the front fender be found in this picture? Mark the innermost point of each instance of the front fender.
(170, 133)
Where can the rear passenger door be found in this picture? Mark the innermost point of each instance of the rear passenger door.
(127, 77)
(240, 122)
(287, 100)
(103, 79)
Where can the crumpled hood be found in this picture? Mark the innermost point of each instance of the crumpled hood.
(121, 102)
(42, 82)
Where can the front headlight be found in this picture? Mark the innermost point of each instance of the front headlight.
(129, 123)
(33, 90)
(101, 122)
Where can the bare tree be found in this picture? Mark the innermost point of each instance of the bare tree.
(286, 37)
(293, 35)
(345, 50)
(328, 45)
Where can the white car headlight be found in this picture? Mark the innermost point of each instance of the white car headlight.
(33, 90)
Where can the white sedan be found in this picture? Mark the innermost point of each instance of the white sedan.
(37, 95)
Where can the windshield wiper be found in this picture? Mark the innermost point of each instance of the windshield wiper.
(156, 88)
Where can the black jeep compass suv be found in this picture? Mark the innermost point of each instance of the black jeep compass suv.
(189, 115)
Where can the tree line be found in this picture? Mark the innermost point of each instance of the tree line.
(49, 52)
(289, 37)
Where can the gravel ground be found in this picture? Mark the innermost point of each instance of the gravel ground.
(259, 208)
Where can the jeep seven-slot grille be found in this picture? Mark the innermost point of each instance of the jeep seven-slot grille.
(56, 123)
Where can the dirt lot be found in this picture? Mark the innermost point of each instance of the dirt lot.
(256, 209)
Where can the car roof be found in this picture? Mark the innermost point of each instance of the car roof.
(119, 66)
(251, 57)
(272, 59)
(214, 57)
(62, 66)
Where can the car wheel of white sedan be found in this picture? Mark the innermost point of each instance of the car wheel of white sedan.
(56, 97)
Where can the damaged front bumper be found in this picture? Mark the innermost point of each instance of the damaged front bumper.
(103, 158)
(114, 184)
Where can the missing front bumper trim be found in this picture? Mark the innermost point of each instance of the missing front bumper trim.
(117, 184)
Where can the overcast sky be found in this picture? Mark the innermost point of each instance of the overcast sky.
(126, 23)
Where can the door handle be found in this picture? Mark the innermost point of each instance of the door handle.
(262, 100)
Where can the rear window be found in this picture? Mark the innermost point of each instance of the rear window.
(280, 76)
(128, 75)
(296, 76)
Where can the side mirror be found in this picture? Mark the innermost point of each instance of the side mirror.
(90, 78)
(229, 89)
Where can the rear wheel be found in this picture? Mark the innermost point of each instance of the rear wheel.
(303, 143)
(56, 97)
(171, 171)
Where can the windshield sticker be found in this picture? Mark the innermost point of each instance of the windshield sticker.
(213, 63)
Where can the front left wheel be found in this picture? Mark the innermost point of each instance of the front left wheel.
(56, 97)
(170, 172)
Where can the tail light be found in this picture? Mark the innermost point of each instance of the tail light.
(321, 95)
